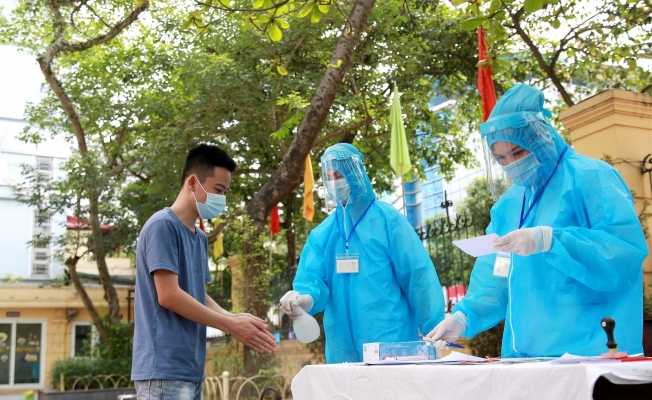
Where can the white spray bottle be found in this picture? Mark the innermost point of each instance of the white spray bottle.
(305, 327)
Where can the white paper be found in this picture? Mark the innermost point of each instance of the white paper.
(394, 362)
(573, 359)
(477, 246)
(455, 357)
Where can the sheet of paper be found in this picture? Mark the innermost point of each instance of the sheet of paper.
(456, 357)
(477, 246)
(392, 362)
(573, 359)
(523, 360)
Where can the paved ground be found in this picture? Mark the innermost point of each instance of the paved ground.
(18, 396)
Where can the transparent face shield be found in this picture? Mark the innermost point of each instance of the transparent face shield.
(343, 176)
(514, 139)
(497, 180)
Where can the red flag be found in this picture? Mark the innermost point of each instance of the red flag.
(76, 223)
(485, 83)
(274, 222)
(201, 225)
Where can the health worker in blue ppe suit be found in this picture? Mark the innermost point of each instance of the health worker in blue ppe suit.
(364, 266)
(571, 245)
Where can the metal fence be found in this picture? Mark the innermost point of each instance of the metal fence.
(225, 387)
(453, 265)
(86, 382)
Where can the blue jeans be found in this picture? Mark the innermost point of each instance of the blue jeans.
(163, 389)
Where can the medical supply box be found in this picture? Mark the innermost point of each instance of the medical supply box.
(398, 351)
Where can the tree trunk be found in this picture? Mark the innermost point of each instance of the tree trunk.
(71, 263)
(290, 233)
(289, 175)
(290, 172)
(45, 60)
(110, 294)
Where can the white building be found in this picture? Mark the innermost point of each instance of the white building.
(424, 198)
(21, 83)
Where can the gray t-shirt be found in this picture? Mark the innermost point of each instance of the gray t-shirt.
(167, 345)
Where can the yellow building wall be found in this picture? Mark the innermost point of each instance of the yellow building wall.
(118, 265)
(618, 124)
(52, 305)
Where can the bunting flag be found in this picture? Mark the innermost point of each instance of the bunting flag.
(274, 222)
(399, 157)
(485, 82)
(218, 246)
(308, 186)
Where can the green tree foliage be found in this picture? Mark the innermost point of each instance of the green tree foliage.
(57, 33)
(148, 96)
(599, 44)
(221, 72)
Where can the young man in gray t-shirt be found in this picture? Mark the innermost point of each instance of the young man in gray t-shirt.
(172, 309)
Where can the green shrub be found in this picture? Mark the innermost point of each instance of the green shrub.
(489, 342)
(107, 367)
(121, 340)
(647, 303)
(88, 367)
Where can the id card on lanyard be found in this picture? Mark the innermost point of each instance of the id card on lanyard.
(349, 263)
(502, 264)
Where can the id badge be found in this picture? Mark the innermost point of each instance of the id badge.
(501, 266)
(347, 263)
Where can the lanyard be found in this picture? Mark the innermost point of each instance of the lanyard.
(346, 239)
(539, 193)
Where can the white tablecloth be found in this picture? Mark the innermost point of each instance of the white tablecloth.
(499, 381)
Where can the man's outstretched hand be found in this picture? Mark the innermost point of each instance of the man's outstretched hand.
(252, 331)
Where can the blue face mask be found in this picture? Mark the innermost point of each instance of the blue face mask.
(339, 189)
(215, 204)
(524, 171)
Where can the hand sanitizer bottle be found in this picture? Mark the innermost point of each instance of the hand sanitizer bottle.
(306, 327)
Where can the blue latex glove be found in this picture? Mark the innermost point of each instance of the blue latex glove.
(526, 241)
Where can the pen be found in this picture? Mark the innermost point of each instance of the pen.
(455, 345)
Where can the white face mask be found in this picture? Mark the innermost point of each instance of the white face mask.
(339, 189)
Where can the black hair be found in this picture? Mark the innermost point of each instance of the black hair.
(202, 160)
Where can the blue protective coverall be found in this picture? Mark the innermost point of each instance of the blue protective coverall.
(396, 291)
(553, 302)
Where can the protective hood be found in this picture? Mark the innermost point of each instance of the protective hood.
(519, 118)
(347, 160)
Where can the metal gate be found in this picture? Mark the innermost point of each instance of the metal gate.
(453, 266)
